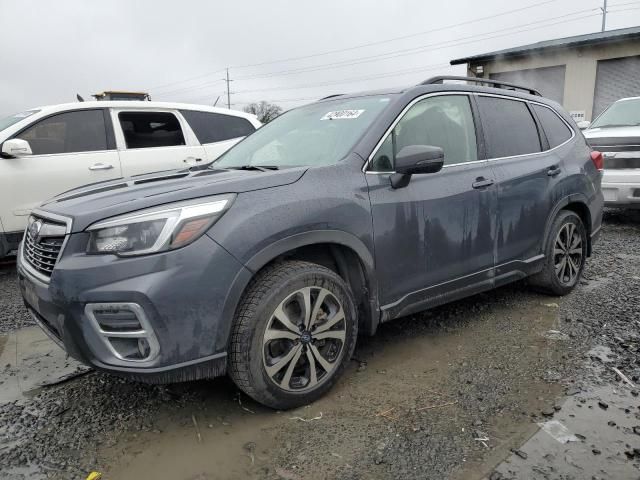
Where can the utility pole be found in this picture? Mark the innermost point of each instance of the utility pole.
(228, 90)
(604, 15)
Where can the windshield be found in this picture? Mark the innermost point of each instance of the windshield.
(625, 113)
(15, 118)
(316, 135)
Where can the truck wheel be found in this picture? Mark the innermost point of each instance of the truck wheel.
(293, 334)
(565, 255)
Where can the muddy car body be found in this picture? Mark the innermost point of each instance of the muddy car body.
(269, 274)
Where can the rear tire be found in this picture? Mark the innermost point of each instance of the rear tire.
(565, 255)
(293, 334)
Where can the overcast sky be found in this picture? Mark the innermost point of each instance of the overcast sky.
(178, 50)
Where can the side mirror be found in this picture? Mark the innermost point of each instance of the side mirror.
(16, 147)
(584, 124)
(416, 160)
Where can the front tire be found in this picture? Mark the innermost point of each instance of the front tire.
(565, 255)
(293, 334)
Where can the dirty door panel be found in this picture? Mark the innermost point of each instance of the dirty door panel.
(436, 236)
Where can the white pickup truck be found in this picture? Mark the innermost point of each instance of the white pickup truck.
(616, 133)
(48, 150)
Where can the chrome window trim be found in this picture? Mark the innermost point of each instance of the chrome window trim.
(45, 216)
(414, 101)
(573, 133)
(397, 120)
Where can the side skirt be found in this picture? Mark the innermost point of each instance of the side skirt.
(462, 287)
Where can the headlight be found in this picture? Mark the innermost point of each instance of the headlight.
(157, 229)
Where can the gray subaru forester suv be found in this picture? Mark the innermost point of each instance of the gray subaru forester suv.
(335, 217)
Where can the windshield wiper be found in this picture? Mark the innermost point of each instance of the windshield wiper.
(262, 168)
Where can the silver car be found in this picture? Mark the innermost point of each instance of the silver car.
(616, 133)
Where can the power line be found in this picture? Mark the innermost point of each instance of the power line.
(403, 37)
(418, 49)
(409, 51)
(355, 47)
(397, 73)
(393, 74)
(190, 88)
(160, 87)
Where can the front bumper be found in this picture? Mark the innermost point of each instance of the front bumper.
(621, 188)
(183, 294)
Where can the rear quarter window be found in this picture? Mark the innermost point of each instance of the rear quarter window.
(212, 127)
(509, 127)
(555, 129)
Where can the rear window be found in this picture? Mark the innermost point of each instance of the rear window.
(150, 129)
(212, 127)
(508, 126)
(556, 130)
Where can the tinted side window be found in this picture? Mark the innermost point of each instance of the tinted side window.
(445, 121)
(508, 126)
(150, 129)
(80, 131)
(216, 127)
(556, 130)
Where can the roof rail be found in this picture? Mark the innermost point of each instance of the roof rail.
(331, 96)
(493, 83)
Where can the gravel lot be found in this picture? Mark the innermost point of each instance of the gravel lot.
(448, 393)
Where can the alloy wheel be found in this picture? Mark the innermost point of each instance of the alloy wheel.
(304, 339)
(567, 254)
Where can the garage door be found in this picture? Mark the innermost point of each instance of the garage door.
(548, 80)
(616, 78)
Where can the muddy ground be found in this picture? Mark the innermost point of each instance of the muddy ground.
(508, 384)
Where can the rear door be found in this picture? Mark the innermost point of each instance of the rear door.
(154, 140)
(527, 172)
(436, 236)
(70, 149)
(217, 132)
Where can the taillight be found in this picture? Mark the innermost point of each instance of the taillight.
(597, 159)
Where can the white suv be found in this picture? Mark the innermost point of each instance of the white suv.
(616, 133)
(48, 150)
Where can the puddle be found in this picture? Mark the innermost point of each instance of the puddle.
(587, 440)
(29, 360)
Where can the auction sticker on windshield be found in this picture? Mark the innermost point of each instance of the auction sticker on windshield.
(342, 114)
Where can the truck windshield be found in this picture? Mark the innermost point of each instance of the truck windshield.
(623, 113)
(315, 135)
(15, 118)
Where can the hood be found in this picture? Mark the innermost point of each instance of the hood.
(88, 204)
(612, 132)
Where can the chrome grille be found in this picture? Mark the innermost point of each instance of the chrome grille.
(42, 244)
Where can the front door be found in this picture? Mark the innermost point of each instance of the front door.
(152, 141)
(70, 150)
(436, 236)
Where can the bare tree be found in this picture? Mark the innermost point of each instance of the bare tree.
(265, 111)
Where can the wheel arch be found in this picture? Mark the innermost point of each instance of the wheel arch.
(339, 251)
(578, 204)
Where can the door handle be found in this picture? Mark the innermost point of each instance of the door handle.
(101, 166)
(482, 182)
(553, 171)
(189, 159)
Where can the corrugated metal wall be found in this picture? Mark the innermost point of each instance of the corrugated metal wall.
(548, 80)
(615, 79)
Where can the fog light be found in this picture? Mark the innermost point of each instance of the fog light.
(143, 347)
